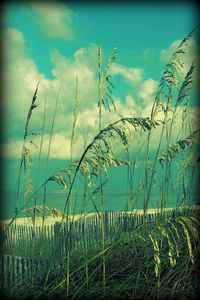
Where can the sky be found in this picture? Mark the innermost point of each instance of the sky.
(58, 42)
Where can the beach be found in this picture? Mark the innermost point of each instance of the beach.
(51, 220)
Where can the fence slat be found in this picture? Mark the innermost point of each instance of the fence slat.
(2, 272)
(8, 283)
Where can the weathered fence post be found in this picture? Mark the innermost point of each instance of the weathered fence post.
(57, 239)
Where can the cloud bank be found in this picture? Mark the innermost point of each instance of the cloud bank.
(21, 75)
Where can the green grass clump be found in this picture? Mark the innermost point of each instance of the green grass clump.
(157, 261)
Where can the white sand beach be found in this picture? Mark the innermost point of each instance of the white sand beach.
(50, 220)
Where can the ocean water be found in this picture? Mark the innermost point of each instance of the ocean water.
(117, 200)
(116, 196)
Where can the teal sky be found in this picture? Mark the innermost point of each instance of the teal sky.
(131, 28)
(55, 43)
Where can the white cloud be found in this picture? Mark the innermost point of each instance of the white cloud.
(20, 75)
(88, 117)
(82, 65)
(54, 19)
(130, 102)
(60, 145)
(149, 86)
(15, 36)
(166, 54)
(191, 49)
(147, 89)
(131, 75)
(12, 149)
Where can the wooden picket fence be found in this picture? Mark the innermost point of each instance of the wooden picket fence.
(52, 243)
(18, 240)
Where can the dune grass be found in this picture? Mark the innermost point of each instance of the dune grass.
(157, 261)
